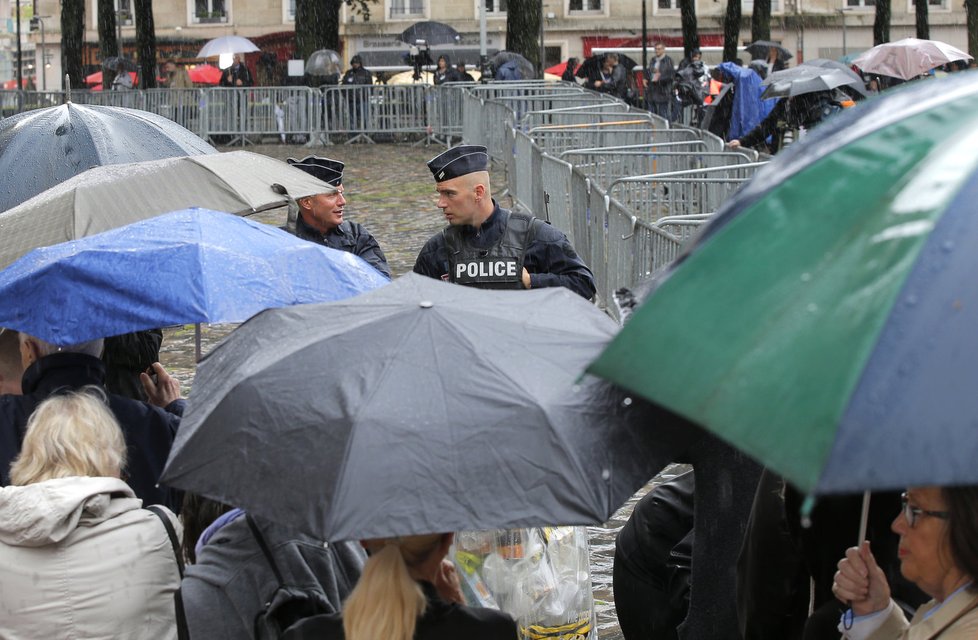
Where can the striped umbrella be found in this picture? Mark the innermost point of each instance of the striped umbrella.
(826, 322)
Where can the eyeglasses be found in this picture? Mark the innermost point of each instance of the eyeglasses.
(911, 513)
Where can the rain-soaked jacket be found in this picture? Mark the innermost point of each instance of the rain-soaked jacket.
(350, 237)
(79, 558)
(748, 108)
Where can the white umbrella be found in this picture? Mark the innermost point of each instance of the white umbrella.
(111, 196)
(908, 58)
(227, 45)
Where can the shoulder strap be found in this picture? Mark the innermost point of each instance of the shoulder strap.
(171, 533)
(183, 632)
(260, 539)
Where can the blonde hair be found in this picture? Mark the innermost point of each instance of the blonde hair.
(73, 434)
(387, 601)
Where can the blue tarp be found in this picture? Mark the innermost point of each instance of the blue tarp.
(748, 108)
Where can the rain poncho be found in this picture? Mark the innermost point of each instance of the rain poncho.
(748, 108)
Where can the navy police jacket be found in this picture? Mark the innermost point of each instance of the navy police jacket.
(548, 255)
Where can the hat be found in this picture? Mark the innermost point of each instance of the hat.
(459, 161)
(329, 171)
(356, 60)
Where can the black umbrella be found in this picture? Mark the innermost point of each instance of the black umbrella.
(591, 65)
(856, 89)
(44, 147)
(117, 64)
(524, 67)
(759, 49)
(806, 78)
(418, 407)
(431, 33)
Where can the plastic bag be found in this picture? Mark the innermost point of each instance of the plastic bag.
(540, 576)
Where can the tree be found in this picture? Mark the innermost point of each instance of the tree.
(317, 23)
(687, 15)
(731, 30)
(523, 29)
(760, 23)
(971, 7)
(881, 25)
(108, 44)
(923, 24)
(72, 39)
(145, 43)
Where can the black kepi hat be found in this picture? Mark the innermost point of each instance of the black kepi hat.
(458, 161)
(327, 170)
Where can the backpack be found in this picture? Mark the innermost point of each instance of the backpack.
(288, 604)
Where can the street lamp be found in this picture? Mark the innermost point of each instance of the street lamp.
(38, 24)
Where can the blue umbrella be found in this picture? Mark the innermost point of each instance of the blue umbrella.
(184, 267)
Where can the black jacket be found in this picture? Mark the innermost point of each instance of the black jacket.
(149, 431)
(550, 259)
(350, 237)
(357, 76)
(441, 621)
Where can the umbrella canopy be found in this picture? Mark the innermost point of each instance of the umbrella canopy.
(427, 77)
(205, 74)
(760, 48)
(324, 62)
(824, 321)
(806, 78)
(119, 63)
(416, 408)
(227, 45)
(432, 33)
(111, 196)
(908, 58)
(591, 65)
(44, 147)
(524, 66)
(855, 90)
(182, 267)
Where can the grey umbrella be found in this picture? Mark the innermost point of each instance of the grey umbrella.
(526, 68)
(418, 407)
(44, 147)
(760, 48)
(804, 79)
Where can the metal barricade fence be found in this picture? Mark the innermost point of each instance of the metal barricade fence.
(131, 99)
(519, 172)
(367, 110)
(180, 105)
(584, 114)
(684, 227)
(555, 182)
(445, 103)
(555, 139)
(39, 100)
(607, 165)
(694, 191)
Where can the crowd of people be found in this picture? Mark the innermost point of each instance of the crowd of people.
(81, 556)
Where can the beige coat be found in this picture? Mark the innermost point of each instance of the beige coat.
(964, 628)
(79, 558)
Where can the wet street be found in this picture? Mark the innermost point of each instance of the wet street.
(390, 191)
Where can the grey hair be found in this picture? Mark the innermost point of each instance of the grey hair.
(91, 348)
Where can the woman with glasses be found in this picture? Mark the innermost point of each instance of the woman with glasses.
(938, 529)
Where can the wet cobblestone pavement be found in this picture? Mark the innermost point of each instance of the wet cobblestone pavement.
(391, 192)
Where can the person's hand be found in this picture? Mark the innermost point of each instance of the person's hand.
(734, 144)
(447, 583)
(861, 582)
(238, 82)
(526, 278)
(598, 83)
(165, 390)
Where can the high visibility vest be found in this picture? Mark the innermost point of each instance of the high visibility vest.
(715, 87)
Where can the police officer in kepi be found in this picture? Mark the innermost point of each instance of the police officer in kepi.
(321, 220)
(490, 247)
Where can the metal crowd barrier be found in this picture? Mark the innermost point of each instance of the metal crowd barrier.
(606, 165)
(672, 193)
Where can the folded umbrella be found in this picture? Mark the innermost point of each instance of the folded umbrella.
(183, 267)
(419, 407)
(824, 321)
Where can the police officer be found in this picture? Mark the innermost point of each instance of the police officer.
(487, 246)
(321, 220)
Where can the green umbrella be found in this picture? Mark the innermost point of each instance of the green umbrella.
(819, 323)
